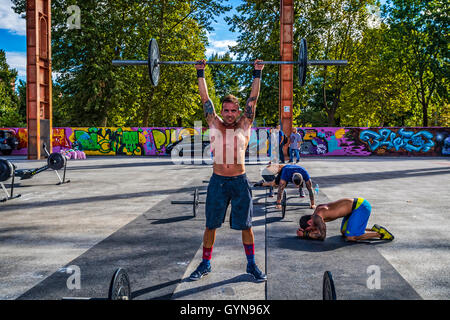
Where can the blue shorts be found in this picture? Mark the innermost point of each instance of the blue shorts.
(223, 190)
(355, 223)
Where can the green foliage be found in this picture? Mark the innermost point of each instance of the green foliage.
(9, 102)
(92, 92)
(419, 49)
(397, 74)
(259, 35)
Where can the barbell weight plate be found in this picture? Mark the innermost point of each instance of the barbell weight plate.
(6, 169)
(153, 62)
(196, 202)
(283, 204)
(329, 292)
(302, 59)
(120, 288)
(56, 161)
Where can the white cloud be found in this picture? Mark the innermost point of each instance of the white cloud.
(219, 46)
(10, 20)
(18, 61)
(223, 43)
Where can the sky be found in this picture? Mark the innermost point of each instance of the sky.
(13, 40)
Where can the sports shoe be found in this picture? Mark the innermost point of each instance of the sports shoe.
(256, 273)
(259, 183)
(385, 234)
(301, 192)
(202, 270)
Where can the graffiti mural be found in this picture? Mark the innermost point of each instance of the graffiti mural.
(317, 141)
(402, 139)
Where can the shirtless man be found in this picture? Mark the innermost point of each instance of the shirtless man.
(279, 175)
(355, 213)
(230, 136)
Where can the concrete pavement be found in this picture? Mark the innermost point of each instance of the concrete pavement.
(117, 212)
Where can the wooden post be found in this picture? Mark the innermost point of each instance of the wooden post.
(39, 77)
(286, 73)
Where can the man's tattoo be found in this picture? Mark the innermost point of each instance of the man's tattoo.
(208, 108)
(280, 191)
(311, 194)
(320, 224)
(249, 109)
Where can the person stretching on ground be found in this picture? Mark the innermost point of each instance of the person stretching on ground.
(280, 175)
(230, 136)
(355, 213)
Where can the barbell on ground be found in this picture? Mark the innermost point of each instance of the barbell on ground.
(195, 202)
(154, 61)
(119, 287)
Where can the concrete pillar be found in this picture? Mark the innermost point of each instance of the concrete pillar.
(286, 72)
(39, 77)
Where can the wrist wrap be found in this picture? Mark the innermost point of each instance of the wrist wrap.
(201, 73)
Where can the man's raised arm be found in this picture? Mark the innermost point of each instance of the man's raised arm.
(208, 106)
(250, 107)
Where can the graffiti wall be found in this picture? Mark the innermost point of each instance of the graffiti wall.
(324, 141)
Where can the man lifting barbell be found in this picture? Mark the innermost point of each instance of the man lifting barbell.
(280, 175)
(355, 213)
(229, 183)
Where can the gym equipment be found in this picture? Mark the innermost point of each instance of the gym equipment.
(271, 193)
(119, 288)
(7, 169)
(284, 204)
(195, 202)
(154, 61)
(328, 291)
(55, 161)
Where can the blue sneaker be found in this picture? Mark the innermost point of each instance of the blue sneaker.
(256, 273)
(202, 270)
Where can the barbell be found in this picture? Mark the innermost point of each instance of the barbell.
(119, 287)
(195, 202)
(154, 61)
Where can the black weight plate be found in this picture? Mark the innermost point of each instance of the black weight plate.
(303, 59)
(120, 288)
(196, 200)
(283, 204)
(56, 161)
(153, 59)
(329, 292)
(6, 169)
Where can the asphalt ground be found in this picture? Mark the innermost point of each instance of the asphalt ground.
(116, 212)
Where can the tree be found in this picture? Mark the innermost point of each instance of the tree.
(95, 93)
(9, 102)
(419, 48)
(376, 94)
(332, 29)
(225, 77)
(259, 32)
